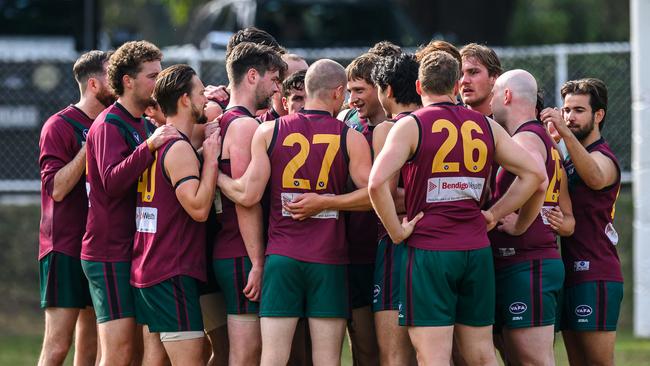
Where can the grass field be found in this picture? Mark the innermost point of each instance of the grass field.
(21, 320)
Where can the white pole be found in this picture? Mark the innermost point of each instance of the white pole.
(640, 59)
(561, 72)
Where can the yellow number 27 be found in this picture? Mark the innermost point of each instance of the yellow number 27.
(288, 175)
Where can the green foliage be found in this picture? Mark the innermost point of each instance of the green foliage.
(568, 21)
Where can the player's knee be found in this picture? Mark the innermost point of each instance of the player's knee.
(56, 351)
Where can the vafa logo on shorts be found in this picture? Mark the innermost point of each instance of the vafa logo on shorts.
(518, 307)
(376, 290)
(583, 310)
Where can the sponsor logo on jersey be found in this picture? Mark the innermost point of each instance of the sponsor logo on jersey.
(136, 136)
(518, 307)
(580, 266)
(583, 310)
(146, 219)
(507, 252)
(544, 213)
(84, 133)
(448, 189)
(325, 214)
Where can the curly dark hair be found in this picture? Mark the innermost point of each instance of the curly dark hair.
(385, 48)
(295, 81)
(128, 60)
(400, 72)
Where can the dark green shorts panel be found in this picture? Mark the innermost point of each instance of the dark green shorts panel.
(387, 275)
(360, 277)
(62, 282)
(441, 288)
(528, 293)
(170, 306)
(110, 289)
(232, 277)
(592, 306)
(294, 288)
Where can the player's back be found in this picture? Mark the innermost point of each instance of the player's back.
(446, 178)
(308, 153)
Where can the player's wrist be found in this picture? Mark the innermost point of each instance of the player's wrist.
(150, 145)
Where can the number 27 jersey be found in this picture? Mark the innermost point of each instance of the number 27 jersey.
(446, 178)
(308, 154)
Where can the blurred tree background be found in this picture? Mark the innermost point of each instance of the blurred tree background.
(498, 22)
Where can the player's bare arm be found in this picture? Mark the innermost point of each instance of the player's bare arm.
(400, 144)
(68, 176)
(239, 138)
(379, 135)
(519, 223)
(309, 204)
(516, 160)
(595, 169)
(248, 189)
(194, 189)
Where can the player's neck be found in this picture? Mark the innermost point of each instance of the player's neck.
(591, 138)
(182, 123)
(483, 108)
(318, 105)
(428, 99)
(403, 108)
(90, 106)
(131, 106)
(517, 119)
(242, 98)
(377, 117)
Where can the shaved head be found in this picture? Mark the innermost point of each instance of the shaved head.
(294, 63)
(522, 85)
(324, 75)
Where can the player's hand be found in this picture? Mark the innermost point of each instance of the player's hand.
(555, 218)
(490, 221)
(508, 225)
(212, 110)
(305, 206)
(407, 228)
(218, 93)
(554, 122)
(211, 127)
(253, 289)
(161, 135)
(212, 148)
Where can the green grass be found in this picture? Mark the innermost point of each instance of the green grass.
(21, 319)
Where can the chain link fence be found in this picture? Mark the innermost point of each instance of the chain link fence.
(36, 83)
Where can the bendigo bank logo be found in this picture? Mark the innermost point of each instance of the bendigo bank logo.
(461, 185)
(583, 310)
(518, 307)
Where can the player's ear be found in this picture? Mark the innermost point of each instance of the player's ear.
(252, 75)
(418, 87)
(389, 91)
(285, 103)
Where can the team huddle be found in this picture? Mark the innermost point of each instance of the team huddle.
(414, 201)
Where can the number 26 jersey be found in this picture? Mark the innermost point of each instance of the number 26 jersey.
(446, 178)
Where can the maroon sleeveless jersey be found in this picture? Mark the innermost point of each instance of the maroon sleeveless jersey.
(229, 243)
(590, 253)
(446, 178)
(168, 242)
(308, 153)
(361, 226)
(381, 230)
(539, 241)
